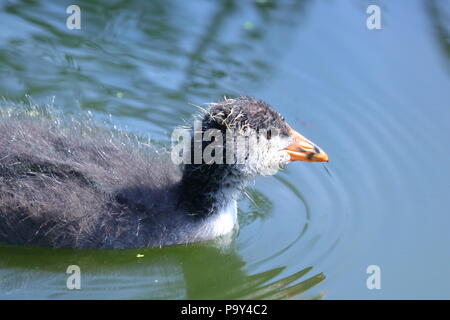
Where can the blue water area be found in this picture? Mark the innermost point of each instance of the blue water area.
(376, 100)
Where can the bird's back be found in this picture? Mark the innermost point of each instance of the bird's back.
(67, 184)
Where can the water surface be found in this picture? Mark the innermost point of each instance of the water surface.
(377, 101)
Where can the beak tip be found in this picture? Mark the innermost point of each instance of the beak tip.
(322, 157)
(301, 149)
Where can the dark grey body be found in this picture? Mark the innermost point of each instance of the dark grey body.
(65, 183)
(69, 185)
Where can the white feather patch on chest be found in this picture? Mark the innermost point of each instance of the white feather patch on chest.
(220, 223)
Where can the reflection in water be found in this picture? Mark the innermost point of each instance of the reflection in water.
(439, 17)
(151, 57)
(259, 207)
(193, 272)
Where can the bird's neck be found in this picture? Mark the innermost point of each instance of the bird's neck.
(208, 189)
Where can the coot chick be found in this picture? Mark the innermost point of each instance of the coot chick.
(65, 184)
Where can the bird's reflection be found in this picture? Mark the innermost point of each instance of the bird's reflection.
(202, 271)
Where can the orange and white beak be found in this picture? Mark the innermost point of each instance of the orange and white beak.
(301, 149)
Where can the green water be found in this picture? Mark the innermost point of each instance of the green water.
(377, 101)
